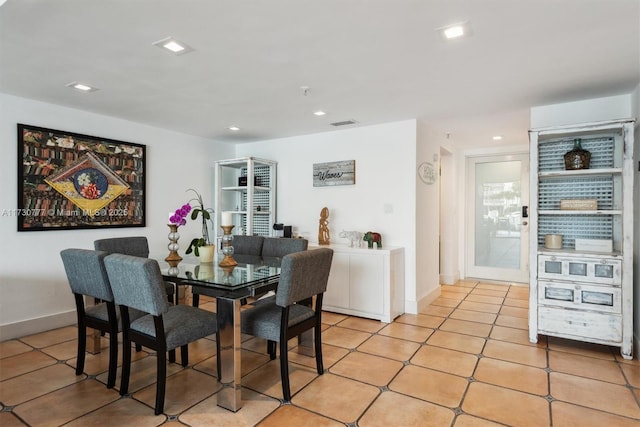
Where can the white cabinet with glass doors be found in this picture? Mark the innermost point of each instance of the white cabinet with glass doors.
(582, 289)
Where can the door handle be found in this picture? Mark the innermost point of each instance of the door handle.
(525, 212)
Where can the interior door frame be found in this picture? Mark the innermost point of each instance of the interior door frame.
(492, 273)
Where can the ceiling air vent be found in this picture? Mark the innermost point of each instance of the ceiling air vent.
(344, 123)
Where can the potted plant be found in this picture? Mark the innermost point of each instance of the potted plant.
(201, 246)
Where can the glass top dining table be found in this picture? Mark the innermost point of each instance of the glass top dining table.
(252, 277)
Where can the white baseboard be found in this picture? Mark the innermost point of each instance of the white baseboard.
(449, 279)
(35, 326)
(414, 307)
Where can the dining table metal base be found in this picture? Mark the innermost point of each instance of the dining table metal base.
(230, 396)
(228, 312)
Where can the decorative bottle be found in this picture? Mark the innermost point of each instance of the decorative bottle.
(578, 157)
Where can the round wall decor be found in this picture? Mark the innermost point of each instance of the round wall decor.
(427, 173)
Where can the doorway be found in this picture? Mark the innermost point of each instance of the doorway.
(497, 218)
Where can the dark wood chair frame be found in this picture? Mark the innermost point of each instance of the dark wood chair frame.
(105, 327)
(157, 343)
(286, 333)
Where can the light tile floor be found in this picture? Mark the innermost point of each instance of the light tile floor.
(464, 361)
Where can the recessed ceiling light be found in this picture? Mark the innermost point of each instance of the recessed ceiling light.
(234, 128)
(174, 46)
(81, 87)
(319, 113)
(455, 31)
(497, 138)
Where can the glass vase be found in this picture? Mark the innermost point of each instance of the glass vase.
(227, 247)
(173, 259)
(578, 157)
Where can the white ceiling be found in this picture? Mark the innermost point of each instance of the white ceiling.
(373, 61)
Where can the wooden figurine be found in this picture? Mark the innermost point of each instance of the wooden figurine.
(370, 237)
(323, 229)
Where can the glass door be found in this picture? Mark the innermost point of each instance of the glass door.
(497, 237)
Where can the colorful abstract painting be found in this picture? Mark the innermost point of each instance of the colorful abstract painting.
(68, 180)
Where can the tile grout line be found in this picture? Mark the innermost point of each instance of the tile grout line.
(457, 410)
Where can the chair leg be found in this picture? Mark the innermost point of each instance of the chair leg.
(82, 346)
(271, 349)
(184, 354)
(284, 370)
(113, 359)
(126, 366)
(172, 356)
(317, 332)
(161, 381)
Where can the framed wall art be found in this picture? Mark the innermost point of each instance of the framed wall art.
(69, 181)
(334, 173)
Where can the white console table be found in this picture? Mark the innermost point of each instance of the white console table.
(365, 282)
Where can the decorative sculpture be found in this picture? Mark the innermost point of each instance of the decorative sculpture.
(323, 229)
(370, 237)
(355, 238)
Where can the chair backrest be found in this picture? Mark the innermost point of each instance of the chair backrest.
(86, 273)
(303, 275)
(135, 246)
(137, 283)
(247, 245)
(281, 246)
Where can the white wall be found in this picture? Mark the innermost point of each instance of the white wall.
(427, 219)
(382, 199)
(449, 211)
(35, 294)
(590, 110)
(635, 112)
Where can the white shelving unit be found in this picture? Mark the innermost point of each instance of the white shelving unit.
(577, 294)
(253, 205)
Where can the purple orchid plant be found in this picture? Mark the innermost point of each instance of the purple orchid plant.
(179, 217)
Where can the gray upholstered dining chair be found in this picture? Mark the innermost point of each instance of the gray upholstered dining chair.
(303, 276)
(278, 247)
(135, 246)
(281, 246)
(247, 245)
(87, 277)
(135, 284)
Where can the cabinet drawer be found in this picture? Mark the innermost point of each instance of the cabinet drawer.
(574, 323)
(607, 271)
(579, 296)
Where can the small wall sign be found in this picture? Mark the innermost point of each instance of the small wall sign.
(427, 173)
(334, 173)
